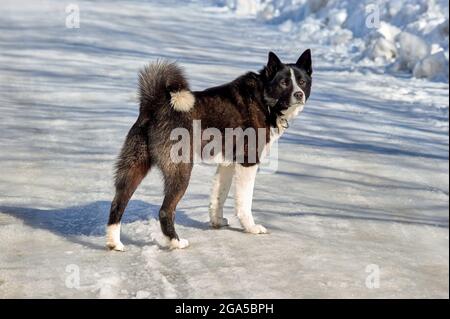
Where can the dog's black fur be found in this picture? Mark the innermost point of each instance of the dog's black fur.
(254, 100)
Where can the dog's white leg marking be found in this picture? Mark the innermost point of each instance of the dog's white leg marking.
(178, 243)
(113, 238)
(245, 182)
(220, 190)
(174, 243)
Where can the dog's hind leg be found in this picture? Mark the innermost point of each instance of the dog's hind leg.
(220, 190)
(176, 181)
(245, 182)
(131, 168)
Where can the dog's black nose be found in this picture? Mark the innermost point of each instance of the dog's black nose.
(299, 95)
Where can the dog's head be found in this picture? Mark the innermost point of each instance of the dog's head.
(288, 82)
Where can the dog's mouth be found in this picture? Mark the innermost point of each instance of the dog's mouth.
(298, 104)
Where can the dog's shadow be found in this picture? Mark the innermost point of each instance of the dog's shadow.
(86, 224)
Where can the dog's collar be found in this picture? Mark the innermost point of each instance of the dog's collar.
(284, 124)
(280, 122)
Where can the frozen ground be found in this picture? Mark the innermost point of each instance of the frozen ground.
(362, 178)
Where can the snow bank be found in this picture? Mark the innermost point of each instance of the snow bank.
(404, 35)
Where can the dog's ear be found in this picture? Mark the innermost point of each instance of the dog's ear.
(305, 62)
(274, 64)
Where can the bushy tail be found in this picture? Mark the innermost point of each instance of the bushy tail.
(161, 83)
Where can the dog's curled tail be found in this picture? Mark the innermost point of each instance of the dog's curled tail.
(163, 82)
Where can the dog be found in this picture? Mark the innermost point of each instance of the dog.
(265, 102)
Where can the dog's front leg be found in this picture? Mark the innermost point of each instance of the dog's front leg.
(245, 182)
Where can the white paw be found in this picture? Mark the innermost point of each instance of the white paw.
(257, 229)
(221, 222)
(116, 246)
(178, 243)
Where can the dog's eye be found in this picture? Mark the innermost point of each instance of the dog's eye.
(284, 82)
(302, 82)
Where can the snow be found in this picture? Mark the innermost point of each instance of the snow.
(365, 28)
(362, 179)
(412, 50)
(432, 66)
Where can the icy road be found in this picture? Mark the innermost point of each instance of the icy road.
(358, 207)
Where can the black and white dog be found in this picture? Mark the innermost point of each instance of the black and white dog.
(264, 102)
